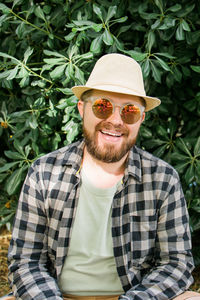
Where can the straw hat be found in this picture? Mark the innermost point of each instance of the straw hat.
(120, 74)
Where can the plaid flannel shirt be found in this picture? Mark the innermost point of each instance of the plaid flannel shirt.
(150, 230)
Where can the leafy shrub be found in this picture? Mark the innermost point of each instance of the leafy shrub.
(49, 46)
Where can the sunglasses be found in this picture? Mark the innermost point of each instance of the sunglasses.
(103, 108)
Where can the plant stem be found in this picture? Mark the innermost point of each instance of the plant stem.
(34, 26)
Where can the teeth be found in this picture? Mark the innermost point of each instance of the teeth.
(110, 133)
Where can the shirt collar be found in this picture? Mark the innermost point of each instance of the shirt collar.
(134, 164)
(74, 155)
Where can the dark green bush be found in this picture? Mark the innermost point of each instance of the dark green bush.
(49, 46)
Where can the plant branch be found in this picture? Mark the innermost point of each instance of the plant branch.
(35, 26)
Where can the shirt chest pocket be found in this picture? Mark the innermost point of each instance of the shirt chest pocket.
(142, 236)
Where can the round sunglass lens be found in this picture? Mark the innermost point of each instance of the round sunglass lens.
(102, 108)
(130, 114)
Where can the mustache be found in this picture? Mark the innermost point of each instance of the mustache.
(109, 126)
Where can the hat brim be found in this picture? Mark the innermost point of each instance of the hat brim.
(151, 102)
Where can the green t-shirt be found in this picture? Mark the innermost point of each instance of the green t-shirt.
(90, 268)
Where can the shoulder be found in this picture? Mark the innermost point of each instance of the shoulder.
(67, 155)
(152, 164)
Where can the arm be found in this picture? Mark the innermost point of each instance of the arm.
(171, 273)
(27, 256)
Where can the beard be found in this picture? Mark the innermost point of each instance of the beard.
(108, 153)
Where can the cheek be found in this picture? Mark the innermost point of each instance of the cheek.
(89, 120)
(133, 130)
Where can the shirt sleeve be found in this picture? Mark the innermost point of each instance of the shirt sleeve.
(27, 256)
(171, 272)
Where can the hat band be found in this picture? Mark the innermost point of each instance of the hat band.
(117, 89)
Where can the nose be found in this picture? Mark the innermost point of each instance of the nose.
(115, 118)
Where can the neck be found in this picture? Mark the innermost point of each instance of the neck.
(115, 168)
(103, 174)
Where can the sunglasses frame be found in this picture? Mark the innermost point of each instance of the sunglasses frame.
(92, 100)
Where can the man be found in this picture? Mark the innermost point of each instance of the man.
(101, 218)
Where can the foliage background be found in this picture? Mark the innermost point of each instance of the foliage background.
(49, 46)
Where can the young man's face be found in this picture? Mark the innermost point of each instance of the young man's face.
(109, 140)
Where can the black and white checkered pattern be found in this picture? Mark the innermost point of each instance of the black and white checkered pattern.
(150, 230)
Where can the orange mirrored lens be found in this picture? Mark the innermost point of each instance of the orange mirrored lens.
(130, 114)
(102, 108)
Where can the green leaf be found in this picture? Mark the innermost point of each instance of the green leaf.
(27, 150)
(69, 70)
(13, 182)
(162, 63)
(111, 12)
(13, 73)
(162, 131)
(79, 75)
(18, 147)
(70, 36)
(197, 147)
(123, 29)
(177, 74)
(195, 68)
(196, 205)
(155, 25)
(136, 55)
(3, 19)
(55, 141)
(107, 38)
(97, 27)
(150, 40)
(23, 72)
(72, 133)
(9, 56)
(27, 54)
(24, 82)
(175, 8)
(54, 61)
(160, 151)
(120, 20)
(5, 74)
(58, 71)
(180, 168)
(187, 9)
(97, 11)
(165, 55)
(190, 174)
(176, 156)
(146, 68)
(5, 10)
(146, 132)
(65, 91)
(52, 53)
(96, 45)
(185, 25)
(180, 36)
(87, 55)
(13, 155)
(39, 13)
(18, 114)
(182, 145)
(156, 73)
(159, 4)
(8, 166)
(169, 22)
(32, 122)
(83, 22)
(6, 220)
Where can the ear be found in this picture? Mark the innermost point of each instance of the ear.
(143, 117)
(80, 106)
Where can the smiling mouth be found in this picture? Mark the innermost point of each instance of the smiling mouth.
(116, 134)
